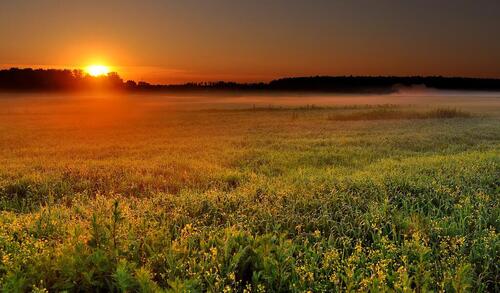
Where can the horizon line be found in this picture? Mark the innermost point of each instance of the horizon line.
(283, 77)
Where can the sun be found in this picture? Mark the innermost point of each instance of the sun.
(97, 70)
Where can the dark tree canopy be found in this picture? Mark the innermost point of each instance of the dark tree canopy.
(28, 79)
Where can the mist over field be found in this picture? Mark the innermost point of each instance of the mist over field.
(123, 109)
(409, 96)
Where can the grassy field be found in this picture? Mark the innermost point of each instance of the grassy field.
(148, 194)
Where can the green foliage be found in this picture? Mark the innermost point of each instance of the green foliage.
(251, 201)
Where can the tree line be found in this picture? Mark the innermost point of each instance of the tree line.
(29, 79)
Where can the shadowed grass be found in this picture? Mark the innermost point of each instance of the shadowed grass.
(387, 114)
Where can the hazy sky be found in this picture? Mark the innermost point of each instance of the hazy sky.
(177, 41)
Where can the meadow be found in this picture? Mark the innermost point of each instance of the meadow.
(237, 194)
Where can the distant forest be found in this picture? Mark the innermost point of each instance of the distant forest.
(29, 80)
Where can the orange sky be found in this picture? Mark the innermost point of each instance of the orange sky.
(179, 41)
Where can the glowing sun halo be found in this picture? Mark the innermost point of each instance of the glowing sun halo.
(97, 70)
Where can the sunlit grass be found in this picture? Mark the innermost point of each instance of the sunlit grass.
(289, 200)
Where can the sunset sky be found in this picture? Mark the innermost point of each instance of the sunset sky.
(179, 41)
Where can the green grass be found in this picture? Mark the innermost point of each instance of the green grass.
(388, 113)
(125, 196)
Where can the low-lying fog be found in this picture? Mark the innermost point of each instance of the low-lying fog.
(119, 109)
(486, 100)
